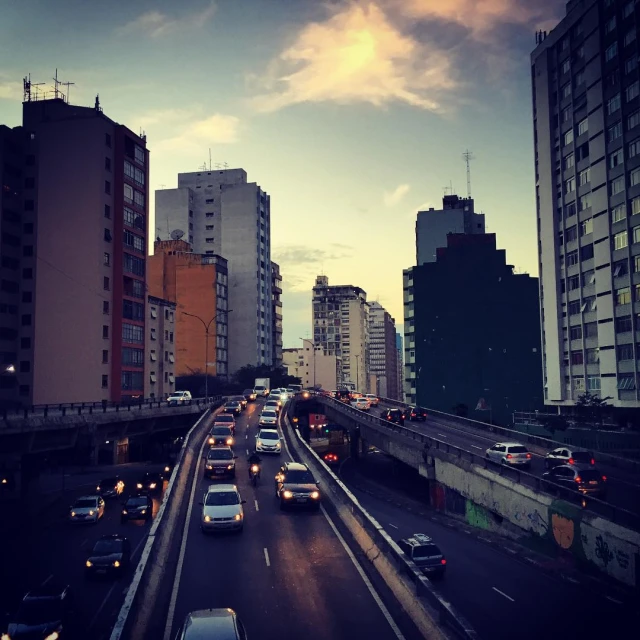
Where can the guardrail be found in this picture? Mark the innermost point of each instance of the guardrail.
(540, 485)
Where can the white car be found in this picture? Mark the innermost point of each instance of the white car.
(179, 397)
(268, 417)
(512, 454)
(273, 405)
(268, 441)
(87, 509)
(361, 403)
(222, 509)
(373, 399)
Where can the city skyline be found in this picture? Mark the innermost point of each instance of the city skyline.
(351, 152)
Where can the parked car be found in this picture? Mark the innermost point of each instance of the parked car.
(568, 455)
(393, 415)
(250, 395)
(110, 487)
(110, 555)
(212, 623)
(416, 414)
(511, 454)
(583, 478)
(179, 397)
(425, 553)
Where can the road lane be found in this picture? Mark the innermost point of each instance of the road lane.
(286, 574)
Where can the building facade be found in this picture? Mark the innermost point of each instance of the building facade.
(276, 314)
(432, 227)
(314, 368)
(341, 329)
(383, 353)
(160, 381)
(198, 285)
(400, 357)
(586, 116)
(220, 213)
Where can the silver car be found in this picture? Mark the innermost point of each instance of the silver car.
(268, 417)
(222, 509)
(87, 509)
(268, 441)
(512, 454)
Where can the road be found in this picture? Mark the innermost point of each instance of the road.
(287, 575)
(55, 551)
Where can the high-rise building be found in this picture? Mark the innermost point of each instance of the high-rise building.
(586, 116)
(220, 213)
(160, 348)
(432, 227)
(276, 314)
(400, 350)
(476, 339)
(198, 285)
(83, 247)
(314, 368)
(341, 328)
(383, 353)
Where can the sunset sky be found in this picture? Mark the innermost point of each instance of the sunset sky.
(351, 115)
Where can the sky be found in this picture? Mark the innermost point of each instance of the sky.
(353, 115)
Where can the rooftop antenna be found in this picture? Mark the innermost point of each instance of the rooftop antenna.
(56, 85)
(67, 84)
(445, 188)
(209, 158)
(468, 157)
(162, 186)
(27, 86)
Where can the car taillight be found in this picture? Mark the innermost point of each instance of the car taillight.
(443, 561)
(509, 456)
(604, 478)
(572, 461)
(528, 456)
(593, 461)
(578, 479)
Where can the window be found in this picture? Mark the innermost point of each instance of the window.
(634, 177)
(209, 214)
(133, 241)
(133, 310)
(132, 357)
(106, 259)
(624, 324)
(105, 381)
(575, 332)
(577, 357)
(132, 333)
(566, 66)
(634, 148)
(209, 201)
(105, 331)
(570, 185)
(582, 152)
(570, 210)
(635, 206)
(105, 356)
(632, 91)
(618, 213)
(584, 177)
(611, 52)
(613, 104)
(25, 343)
(128, 193)
(574, 308)
(139, 154)
(578, 383)
(624, 352)
(107, 211)
(610, 25)
(107, 187)
(616, 158)
(27, 296)
(591, 330)
(209, 240)
(616, 186)
(27, 228)
(628, 9)
(134, 264)
(128, 170)
(586, 226)
(566, 90)
(568, 137)
(620, 268)
(132, 380)
(592, 356)
(133, 219)
(631, 64)
(614, 132)
(572, 258)
(105, 307)
(634, 119)
(138, 176)
(584, 202)
(209, 227)
(623, 296)
(583, 126)
(571, 233)
(579, 79)
(569, 161)
(138, 198)
(105, 283)
(107, 139)
(629, 37)
(107, 164)
(27, 250)
(588, 278)
(593, 383)
(626, 382)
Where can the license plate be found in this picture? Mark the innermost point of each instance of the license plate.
(593, 482)
(101, 571)
(219, 471)
(301, 499)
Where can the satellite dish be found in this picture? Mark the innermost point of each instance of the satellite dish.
(176, 234)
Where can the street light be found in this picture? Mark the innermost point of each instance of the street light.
(206, 326)
(313, 344)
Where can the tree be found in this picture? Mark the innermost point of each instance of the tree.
(554, 423)
(461, 410)
(591, 411)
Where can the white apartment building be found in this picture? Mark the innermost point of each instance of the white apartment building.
(341, 329)
(312, 366)
(383, 353)
(220, 213)
(160, 378)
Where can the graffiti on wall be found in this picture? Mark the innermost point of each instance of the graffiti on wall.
(478, 516)
(455, 502)
(530, 519)
(436, 495)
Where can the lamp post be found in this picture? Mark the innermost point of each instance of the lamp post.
(313, 344)
(206, 326)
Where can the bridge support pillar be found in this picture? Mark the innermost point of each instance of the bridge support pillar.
(364, 448)
(354, 443)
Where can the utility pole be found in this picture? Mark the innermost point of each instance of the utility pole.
(468, 157)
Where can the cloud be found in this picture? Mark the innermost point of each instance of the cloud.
(166, 117)
(156, 24)
(216, 129)
(357, 56)
(392, 198)
(10, 90)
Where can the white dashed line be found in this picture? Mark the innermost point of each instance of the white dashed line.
(247, 450)
(442, 435)
(613, 600)
(572, 580)
(266, 557)
(47, 580)
(475, 446)
(503, 594)
(257, 507)
(246, 435)
(393, 525)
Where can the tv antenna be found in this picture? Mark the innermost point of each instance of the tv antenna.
(221, 165)
(176, 234)
(67, 84)
(209, 158)
(27, 85)
(468, 157)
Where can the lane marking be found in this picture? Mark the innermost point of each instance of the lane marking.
(613, 600)
(183, 546)
(266, 557)
(393, 525)
(475, 446)
(247, 450)
(570, 579)
(257, 507)
(503, 594)
(47, 580)
(442, 435)
(246, 435)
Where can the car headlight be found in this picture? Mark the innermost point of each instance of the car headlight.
(143, 511)
(209, 466)
(116, 563)
(73, 514)
(97, 488)
(287, 494)
(229, 467)
(212, 441)
(278, 445)
(152, 485)
(52, 636)
(315, 495)
(238, 516)
(91, 512)
(88, 563)
(229, 441)
(124, 512)
(139, 486)
(207, 518)
(167, 469)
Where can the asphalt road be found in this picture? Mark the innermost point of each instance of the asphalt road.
(55, 552)
(287, 575)
(502, 596)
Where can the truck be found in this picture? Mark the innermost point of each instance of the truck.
(262, 386)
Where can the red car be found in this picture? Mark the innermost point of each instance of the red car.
(331, 459)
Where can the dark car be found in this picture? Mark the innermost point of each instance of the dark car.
(227, 420)
(416, 414)
(331, 459)
(295, 485)
(167, 470)
(233, 407)
(150, 483)
(220, 436)
(241, 399)
(110, 487)
(586, 479)
(110, 555)
(425, 554)
(221, 624)
(43, 612)
(137, 508)
(568, 455)
(220, 462)
(249, 395)
(396, 416)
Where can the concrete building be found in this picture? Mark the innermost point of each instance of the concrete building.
(160, 348)
(312, 366)
(476, 332)
(400, 355)
(276, 314)
(341, 328)
(586, 116)
(432, 227)
(198, 285)
(383, 353)
(220, 213)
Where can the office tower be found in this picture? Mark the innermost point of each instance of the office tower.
(383, 353)
(219, 213)
(341, 328)
(198, 285)
(586, 116)
(400, 356)
(314, 368)
(276, 314)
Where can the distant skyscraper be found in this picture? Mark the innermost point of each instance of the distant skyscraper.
(276, 314)
(400, 350)
(312, 366)
(220, 213)
(383, 353)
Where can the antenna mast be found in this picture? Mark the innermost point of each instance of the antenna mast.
(209, 158)
(468, 157)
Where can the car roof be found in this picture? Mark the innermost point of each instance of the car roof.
(511, 444)
(227, 416)
(93, 497)
(268, 411)
(211, 623)
(296, 466)
(112, 536)
(218, 488)
(48, 592)
(269, 431)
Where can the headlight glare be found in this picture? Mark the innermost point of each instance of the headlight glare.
(88, 563)
(116, 563)
(207, 518)
(315, 495)
(152, 485)
(287, 494)
(238, 516)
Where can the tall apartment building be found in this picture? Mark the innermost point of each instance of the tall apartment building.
(383, 353)
(198, 285)
(432, 227)
(314, 368)
(79, 228)
(220, 213)
(276, 314)
(586, 116)
(341, 328)
(160, 348)
(400, 350)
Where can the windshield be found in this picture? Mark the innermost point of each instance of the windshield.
(224, 419)
(589, 474)
(518, 449)
(582, 456)
(232, 403)
(222, 498)
(84, 504)
(269, 435)
(426, 551)
(106, 547)
(137, 502)
(221, 431)
(220, 454)
(268, 414)
(109, 482)
(38, 612)
(301, 477)
(248, 392)
(237, 399)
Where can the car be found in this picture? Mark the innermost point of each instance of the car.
(233, 407)
(241, 399)
(250, 395)
(295, 485)
(568, 455)
(227, 420)
(512, 454)
(583, 478)
(396, 416)
(167, 470)
(331, 459)
(150, 482)
(222, 624)
(268, 417)
(373, 399)
(360, 403)
(220, 435)
(220, 462)
(178, 398)
(87, 509)
(268, 441)
(275, 405)
(261, 391)
(416, 414)
(110, 487)
(274, 397)
(425, 553)
(222, 509)
(138, 507)
(45, 612)
(110, 554)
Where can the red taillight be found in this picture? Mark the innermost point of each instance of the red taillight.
(604, 478)
(509, 456)
(593, 460)
(572, 461)
(443, 561)
(578, 479)
(529, 456)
